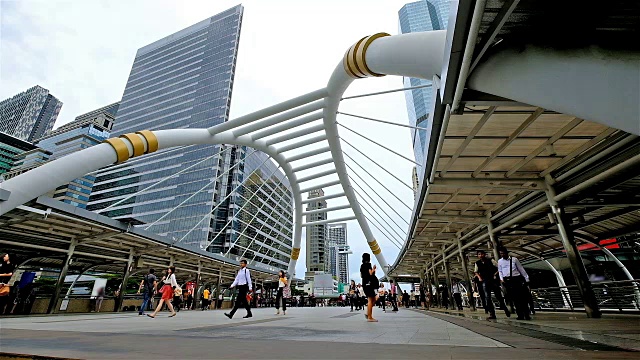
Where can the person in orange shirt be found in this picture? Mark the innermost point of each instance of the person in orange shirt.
(205, 299)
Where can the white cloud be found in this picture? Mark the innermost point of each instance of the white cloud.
(82, 52)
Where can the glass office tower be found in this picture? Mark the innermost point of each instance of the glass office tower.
(184, 80)
(30, 114)
(424, 15)
(254, 215)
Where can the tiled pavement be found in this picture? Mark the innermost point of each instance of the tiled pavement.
(571, 328)
(310, 333)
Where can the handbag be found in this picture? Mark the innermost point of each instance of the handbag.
(249, 298)
(5, 290)
(286, 291)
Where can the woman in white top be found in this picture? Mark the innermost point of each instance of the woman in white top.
(169, 285)
(282, 283)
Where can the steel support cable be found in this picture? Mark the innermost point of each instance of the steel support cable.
(386, 92)
(219, 203)
(379, 207)
(196, 193)
(275, 190)
(377, 213)
(268, 233)
(386, 232)
(370, 159)
(161, 180)
(381, 198)
(262, 245)
(378, 181)
(382, 146)
(382, 121)
(277, 204)
(382, 231)
(280, 194)
(270, 214)
(233, 192)
(249, 224)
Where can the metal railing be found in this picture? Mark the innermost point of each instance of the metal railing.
(611, 295)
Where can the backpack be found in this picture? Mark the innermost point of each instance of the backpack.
(148, 285)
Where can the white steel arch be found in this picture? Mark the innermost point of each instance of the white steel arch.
(416, 55)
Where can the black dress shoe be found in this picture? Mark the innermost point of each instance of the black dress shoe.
(228, 315)
(527, 318)
(506, 312)
(492, 317)
(247, 316)
(519, 318)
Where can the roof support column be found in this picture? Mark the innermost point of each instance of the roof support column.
(577, 265)
(429, 289)
(493, 237)
(467, 278)
(447, 279)
(196, 286)
(563, 289)
(219, 289)
(437, 284)
(53, 303)
(125, 279)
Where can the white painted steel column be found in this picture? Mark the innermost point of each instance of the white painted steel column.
(337, 85)
(563, 286)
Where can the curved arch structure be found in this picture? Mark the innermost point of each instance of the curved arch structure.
(416, 55)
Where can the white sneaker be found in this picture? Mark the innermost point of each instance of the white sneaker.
(277, 312)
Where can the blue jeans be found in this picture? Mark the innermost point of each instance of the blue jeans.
(145, 302)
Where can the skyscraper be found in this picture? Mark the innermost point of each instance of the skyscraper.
(184, 80)
(30, 114)
(316, 236)
(230, 200)
(85, 131)
(338, 251)
(424, 15)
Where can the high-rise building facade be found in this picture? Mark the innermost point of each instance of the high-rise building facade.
(85, 131)
(184, 80)
(230, 200)
(10, 150)
(338, 251)
(424, 15)
(316, 236)
(30, 114)
(254, 210)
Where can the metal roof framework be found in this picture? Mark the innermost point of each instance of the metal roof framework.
(41, 232)
(493, 160)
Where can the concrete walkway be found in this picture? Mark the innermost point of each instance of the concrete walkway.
(310, 333)
(619, 330)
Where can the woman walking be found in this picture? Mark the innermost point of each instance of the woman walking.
(170, 284)
(282, 283)
(370, 284)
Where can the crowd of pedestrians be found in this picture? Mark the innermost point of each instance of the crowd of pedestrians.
(505, 280)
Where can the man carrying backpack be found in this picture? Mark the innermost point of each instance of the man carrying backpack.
(148, 285)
